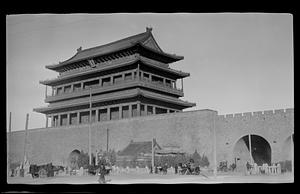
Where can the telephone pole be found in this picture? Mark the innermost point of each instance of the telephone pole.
(215, 146)
(25, 141)
(8, 145)
(107, 139)
(250, 149)
(90, 122)
(152, 158)
(292, 146)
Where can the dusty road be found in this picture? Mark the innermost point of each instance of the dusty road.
(132, 178)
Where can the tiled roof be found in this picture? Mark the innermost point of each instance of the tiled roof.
(136, 148)
(117, 63)
(161, 97)
(145, 38)
(170, 150)
(113, 96)
(84, 101)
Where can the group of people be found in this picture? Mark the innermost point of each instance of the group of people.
(182, 168)
(188, 168)
(264, 169)
(159, 168)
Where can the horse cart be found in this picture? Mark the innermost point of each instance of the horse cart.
(188, 169)
(45, 170)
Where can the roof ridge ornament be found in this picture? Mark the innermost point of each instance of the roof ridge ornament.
(79, 49)
(148, 29)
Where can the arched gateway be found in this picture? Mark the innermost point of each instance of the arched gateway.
(73, 159)
(260, 151)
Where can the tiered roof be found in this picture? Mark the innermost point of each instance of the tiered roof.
(117, 63)
(145, 40)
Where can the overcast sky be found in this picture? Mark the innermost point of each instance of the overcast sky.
(238, 62)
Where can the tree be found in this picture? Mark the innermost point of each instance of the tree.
(83, 160)
(111, 156)
(204, 161)
(196, 157)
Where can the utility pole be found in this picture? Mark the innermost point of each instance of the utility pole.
(152, 158)
(215, 147)
(292, 146)
(90, 122)
(25, 141)
(96, 158)
(250, 149)
(107, 139)
(8, 145)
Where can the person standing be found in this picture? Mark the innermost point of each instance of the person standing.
(176, 168)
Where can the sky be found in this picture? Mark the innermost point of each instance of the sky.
(237, 62)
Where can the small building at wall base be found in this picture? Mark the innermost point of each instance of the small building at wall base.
(140, 153)
(136, 154)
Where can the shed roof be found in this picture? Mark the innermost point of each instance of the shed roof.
(136, 148)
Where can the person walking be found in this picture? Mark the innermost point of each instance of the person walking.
(248, 166)
(102, 172)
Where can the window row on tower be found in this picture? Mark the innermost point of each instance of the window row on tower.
(114, 79)
(106, 113)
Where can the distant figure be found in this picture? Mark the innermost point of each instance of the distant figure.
(102, 172)
(255, 168)
(67, 170)
(278, 168)
(248, 166)
(165, 168)
(233, 167)
(176, 168)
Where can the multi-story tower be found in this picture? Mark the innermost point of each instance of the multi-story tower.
(126, 78)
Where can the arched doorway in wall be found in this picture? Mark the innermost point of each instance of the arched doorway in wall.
(287, 154)
(260, 149)
(73, 159)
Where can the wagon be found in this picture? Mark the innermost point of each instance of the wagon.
(45, 170)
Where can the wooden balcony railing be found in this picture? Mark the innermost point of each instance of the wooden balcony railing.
(110, 87)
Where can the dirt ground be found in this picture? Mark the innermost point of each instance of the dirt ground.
(133, 178)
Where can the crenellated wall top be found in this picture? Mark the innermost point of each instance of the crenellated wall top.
(257, 113)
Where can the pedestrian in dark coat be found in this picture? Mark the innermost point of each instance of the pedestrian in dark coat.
(102, 172)
(176, 168)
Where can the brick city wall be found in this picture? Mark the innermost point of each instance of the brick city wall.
(274, 126)
(190, 130)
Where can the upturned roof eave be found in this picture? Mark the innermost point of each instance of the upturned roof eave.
(179, 73)
(67, 62)
(142, 35)
(133, 93)
(171, 56)
(167, 99)
(44, 110)
(139, 42)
